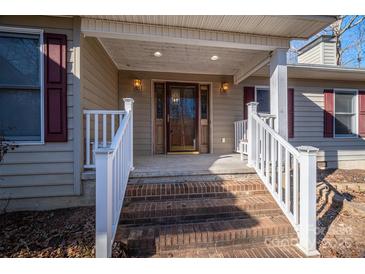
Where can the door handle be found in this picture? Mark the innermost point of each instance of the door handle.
(168, 118)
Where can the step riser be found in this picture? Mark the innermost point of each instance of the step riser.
(190, 217)
(149, 247)
(193, 190)
(248, 243)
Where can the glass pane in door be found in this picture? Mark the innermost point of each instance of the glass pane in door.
(182, 118)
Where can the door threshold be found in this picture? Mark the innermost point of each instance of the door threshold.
(183, 153)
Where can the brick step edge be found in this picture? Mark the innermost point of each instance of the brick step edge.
(236, 251)
(202, 217)
(191, 190)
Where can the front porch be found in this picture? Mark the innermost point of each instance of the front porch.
(189, 165)
(183, 92)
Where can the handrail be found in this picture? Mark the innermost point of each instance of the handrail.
(240, 136)
(275, 135)
(100, 130)
(288, 173)
(113, 165)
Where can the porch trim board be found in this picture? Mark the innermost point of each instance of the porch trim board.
(178, 35)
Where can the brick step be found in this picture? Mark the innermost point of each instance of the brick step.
(192, 190)
(237, 251)
(197, 210)
(150, 240)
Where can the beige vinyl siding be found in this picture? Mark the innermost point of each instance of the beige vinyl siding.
(99, 76)
(312, 56)
(308, 125)
(48, 169)
(329, 53)
(226, 107)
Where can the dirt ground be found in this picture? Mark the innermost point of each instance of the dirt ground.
(71, 232)
(341, 213)
(51, 234)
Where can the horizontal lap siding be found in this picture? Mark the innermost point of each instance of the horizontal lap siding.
(42, 170)
(308, 121)
(99, 77)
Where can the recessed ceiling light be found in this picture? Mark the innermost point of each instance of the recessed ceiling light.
(214, 58)
(157, 54)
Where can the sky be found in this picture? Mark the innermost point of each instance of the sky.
(349, 39)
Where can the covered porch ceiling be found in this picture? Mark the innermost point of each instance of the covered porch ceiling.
(241, 44)
(179, 58)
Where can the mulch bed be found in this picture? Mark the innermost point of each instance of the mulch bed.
(51, 234)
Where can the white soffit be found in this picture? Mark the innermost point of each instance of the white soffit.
(139, 55)
(270, 25)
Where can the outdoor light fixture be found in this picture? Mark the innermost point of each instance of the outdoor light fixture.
(157, 54)
(214, 58)
(224, 87)
(137, 84)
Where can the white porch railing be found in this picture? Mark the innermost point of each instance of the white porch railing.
(100, 129)
(240, 136)
(289, 174)
(112, 166)
(240, 133)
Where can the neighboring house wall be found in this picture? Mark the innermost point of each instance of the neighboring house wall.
(227, 108)
(322, 54)
(308, 122)
(312, 56)
(49, 169)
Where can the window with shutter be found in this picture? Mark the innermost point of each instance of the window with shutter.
(362, 113)
(21, 109)
(55, 83)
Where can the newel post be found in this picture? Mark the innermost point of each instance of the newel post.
(104, 202)
(128, 106)
(307, 200)
(252, 109)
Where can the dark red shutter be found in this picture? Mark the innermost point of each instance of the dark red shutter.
(362, 113)
(290, 113)
(248, 96)
(328, 113)
(55, 87)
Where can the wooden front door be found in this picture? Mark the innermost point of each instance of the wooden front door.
(182, 117)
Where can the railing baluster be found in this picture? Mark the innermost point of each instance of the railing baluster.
(295, 190)
(262, 138)
(96, 131)
(104, 130)
(280, 172)
(87, 145)
(273, 163)
(267, 157)
(287, 180)
(112, 126)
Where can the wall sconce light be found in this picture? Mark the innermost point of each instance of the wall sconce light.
(224, 87)
(137, 84)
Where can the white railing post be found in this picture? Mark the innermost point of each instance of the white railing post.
(128, 106)
(307, 198)
(104, 202)
(252, 109)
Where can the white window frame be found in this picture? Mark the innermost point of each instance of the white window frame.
(356, 112)
(41, 76)
(263, 87)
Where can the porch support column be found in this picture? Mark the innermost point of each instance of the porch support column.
(278, 91)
